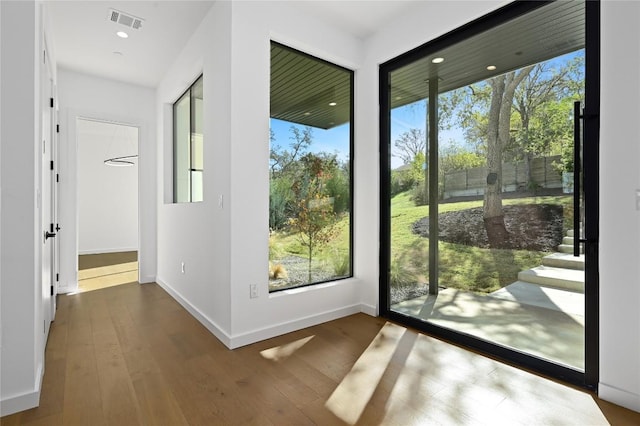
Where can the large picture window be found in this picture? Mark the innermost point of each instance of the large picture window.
(187, 145)
(310, 197)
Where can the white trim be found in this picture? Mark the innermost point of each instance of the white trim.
(370, 310)
(233, 342)
(23, 401)
(109, 250)
(294, 325)
(146, 280)
(618, 396)
(197, 314)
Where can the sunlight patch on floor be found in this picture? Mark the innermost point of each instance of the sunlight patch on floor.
(282, 352)
(107, 276)
(352, 395)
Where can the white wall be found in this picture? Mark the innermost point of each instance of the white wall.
(22, 346)
(225, 249)
(254, 25)
(107, 195)
(619, 218)
(198, 233)
(84, 96)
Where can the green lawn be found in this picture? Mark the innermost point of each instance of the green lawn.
(461, 266)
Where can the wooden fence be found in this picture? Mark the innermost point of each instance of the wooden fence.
(474, 181)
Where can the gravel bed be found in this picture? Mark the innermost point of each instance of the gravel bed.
(298, 272)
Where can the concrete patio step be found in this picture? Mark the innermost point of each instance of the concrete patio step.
(569, 279)
(567, 243)
(568, 248)
(569, 302)
(564, 260)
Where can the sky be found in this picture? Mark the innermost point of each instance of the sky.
(335, 140)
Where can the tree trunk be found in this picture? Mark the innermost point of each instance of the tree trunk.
(309, 266)
(503, 90)
(493, 216)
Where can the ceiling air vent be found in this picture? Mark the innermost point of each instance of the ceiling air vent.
(125, 19)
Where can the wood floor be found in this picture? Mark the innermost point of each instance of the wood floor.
(97, 271)
(130, 355)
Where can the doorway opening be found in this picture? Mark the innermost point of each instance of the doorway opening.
(107, 204)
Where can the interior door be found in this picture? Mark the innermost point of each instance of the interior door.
(55, 181)
(47, 199)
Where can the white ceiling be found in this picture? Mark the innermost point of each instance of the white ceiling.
(85, 40)
(361, 18)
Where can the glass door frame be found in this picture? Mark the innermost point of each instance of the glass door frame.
(589, 378)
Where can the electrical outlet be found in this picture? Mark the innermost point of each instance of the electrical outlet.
(182, 267)
(253, 291)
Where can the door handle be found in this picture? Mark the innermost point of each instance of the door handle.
(48, 235)
(577, 116)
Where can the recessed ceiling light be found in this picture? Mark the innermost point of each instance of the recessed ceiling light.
(122, 34)
(437, 60)
(332, 104)
(307, 113)
(118, 53)
(398, 98)
(491, 67)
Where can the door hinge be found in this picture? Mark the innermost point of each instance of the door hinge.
(57, 128)
(52, 290)
(51, 164)
(57, 177)
(57, 277)
(51, 227)
(51, 103)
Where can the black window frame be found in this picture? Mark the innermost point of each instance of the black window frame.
(199, 79)
(351, 163)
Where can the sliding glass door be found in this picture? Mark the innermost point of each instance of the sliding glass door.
(484, 213)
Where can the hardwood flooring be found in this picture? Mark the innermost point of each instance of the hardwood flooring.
(131, 355)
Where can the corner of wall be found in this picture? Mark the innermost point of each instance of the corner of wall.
(24, 401)
(208, 323)
(619, 396)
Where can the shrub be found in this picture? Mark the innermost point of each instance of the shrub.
(276, 251)
(281, 198)
(400, 275)
(341, 263)
(277, 271)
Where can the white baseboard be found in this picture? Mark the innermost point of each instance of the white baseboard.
(618, 396)
(108, 250)
(202, 318)
(146, 280)
(233, 342)
(24, 401)
(294, 325)
(369, 309)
